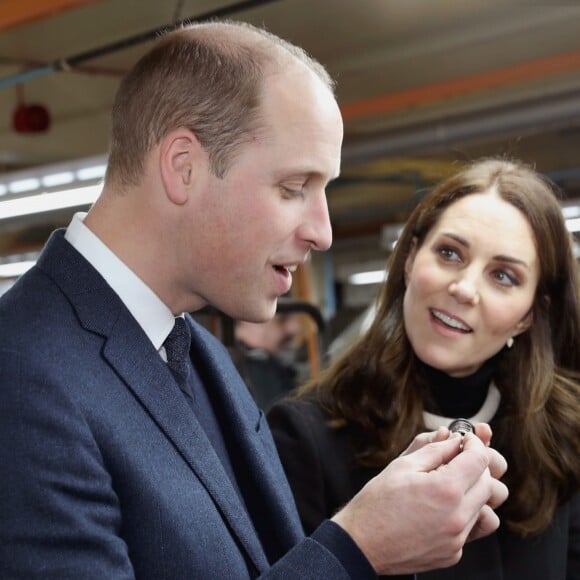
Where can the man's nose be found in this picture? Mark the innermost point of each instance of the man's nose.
(316, 229)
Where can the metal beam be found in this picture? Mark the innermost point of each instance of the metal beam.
(513, 120)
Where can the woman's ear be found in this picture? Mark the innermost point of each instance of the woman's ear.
(524, 323)
(410, 259)
(178, 162)
(528, 319)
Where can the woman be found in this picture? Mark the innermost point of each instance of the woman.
(478, 318)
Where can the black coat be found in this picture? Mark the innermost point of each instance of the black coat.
(320, 466)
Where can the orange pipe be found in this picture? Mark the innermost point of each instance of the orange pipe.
(462, 86)
(304, 292)
(14, 13)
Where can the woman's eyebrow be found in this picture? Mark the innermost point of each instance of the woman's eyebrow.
(499, 257)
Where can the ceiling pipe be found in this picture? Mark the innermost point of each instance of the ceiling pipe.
(534, 70)
(508, 121)
(67, 64)
(14, 13)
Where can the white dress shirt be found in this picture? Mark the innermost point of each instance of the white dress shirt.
(149, 311)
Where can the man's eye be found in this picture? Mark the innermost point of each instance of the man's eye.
(292, 192)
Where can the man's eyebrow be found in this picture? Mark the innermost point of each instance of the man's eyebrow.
(499, 257)
(310, 174)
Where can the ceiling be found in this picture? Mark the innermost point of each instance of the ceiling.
(423, 85)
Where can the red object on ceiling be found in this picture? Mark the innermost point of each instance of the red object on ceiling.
(31, 119)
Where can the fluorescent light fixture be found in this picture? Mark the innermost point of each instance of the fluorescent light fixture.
(372, 277)
(94, 172)
(44, 202)
(573, 225)
(571, 211)
(15, 269)
(23, 185)
(51, 187)
(56, 179)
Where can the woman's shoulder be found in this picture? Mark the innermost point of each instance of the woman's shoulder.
(303, 410)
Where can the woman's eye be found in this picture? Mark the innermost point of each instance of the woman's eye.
(505, 278)
(448, 253)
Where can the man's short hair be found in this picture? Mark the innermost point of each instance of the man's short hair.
(206, 78)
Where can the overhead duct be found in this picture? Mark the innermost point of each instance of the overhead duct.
(513, 120)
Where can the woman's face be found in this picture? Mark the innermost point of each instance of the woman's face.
(471, 285)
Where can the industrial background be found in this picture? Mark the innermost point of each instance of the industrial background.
(424, 85)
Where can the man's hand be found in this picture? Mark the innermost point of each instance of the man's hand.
(487, 521)
(417, 514)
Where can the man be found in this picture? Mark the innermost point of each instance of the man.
(223, 141)
(265, 354)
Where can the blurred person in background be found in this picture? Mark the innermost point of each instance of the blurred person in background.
(266, 354)
(478, 319)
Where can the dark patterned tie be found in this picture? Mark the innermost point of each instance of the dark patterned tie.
(177, 346)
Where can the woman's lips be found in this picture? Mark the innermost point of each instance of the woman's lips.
(449, 322)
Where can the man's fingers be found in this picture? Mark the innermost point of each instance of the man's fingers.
(483, 431)
(434, 454)
(486, 524)
(469, 465)
(425, 438)
(499, 493)
(497, 463)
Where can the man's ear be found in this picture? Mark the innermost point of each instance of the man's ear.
(178, 161)
(410, 259)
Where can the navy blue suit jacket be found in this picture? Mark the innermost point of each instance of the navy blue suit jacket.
(106, 473)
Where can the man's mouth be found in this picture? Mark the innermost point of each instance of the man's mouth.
(450, 321)
(286, 269)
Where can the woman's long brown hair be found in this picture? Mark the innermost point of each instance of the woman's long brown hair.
(374, 387)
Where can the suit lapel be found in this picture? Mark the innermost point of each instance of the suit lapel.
(128, 350)
(266, 484)
(152, 383)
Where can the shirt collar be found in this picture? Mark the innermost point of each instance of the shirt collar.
(149, 311)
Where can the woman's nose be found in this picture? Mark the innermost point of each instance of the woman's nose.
(464, 290)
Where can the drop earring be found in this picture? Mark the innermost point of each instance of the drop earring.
(510, 342)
